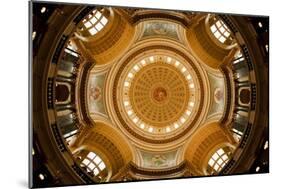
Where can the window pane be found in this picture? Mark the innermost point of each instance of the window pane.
(86, 161)
(217, 34)
(218, 23)
(93, 31)
(222, 39)
(102, 166)
(96, 171)
(98, 14)
(222, 29)
(91, 166)
(216, 167)
(91, 155)
(220, 152)
(215, 156)
(226, 34)
(220, 161)
(213, 28)
(93, 20)
(104, 21)
(211, 162)
(224, 157)
(97, 160)
(99, 26)
(87, 24)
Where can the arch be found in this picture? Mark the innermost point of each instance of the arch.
(205, 45)
(108, 142)
(217, 159)
(103, 47)
(62, 92)
(202, 143)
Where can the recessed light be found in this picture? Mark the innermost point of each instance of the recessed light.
(130, 75)
(41, 176)
(130, 112)
(43, 9)
(126, 103)
(169, 59)
(126, 84)
(191, 104)
(33, 35)
(136, 68)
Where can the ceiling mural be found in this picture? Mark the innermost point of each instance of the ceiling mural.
(160, 29)
(96, 93)
(217, 91)
(159, 160)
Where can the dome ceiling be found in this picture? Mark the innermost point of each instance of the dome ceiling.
(151, 94)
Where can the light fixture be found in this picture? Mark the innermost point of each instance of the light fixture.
(126, 84)
(41, 176)
(191, 104)
(126, 103)
(43, 9)
(266, 48)
(191, 85)
(183, 69)
(258, 169)
(143, 62)
(168, 129)
(33, 35)
(265, 145)
(130, 75)
(169, 59)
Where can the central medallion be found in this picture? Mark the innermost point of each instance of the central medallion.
(159, 94)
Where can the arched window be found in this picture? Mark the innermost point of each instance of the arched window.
(94, 164)
(220, 30)
(94, 22)
(218, 160)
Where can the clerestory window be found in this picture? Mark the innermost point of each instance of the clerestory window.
(94, 163)
(95, 22)
(220, 30)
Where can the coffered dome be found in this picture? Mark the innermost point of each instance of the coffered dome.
(134, 94)
(157, 94)
(160, 91)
